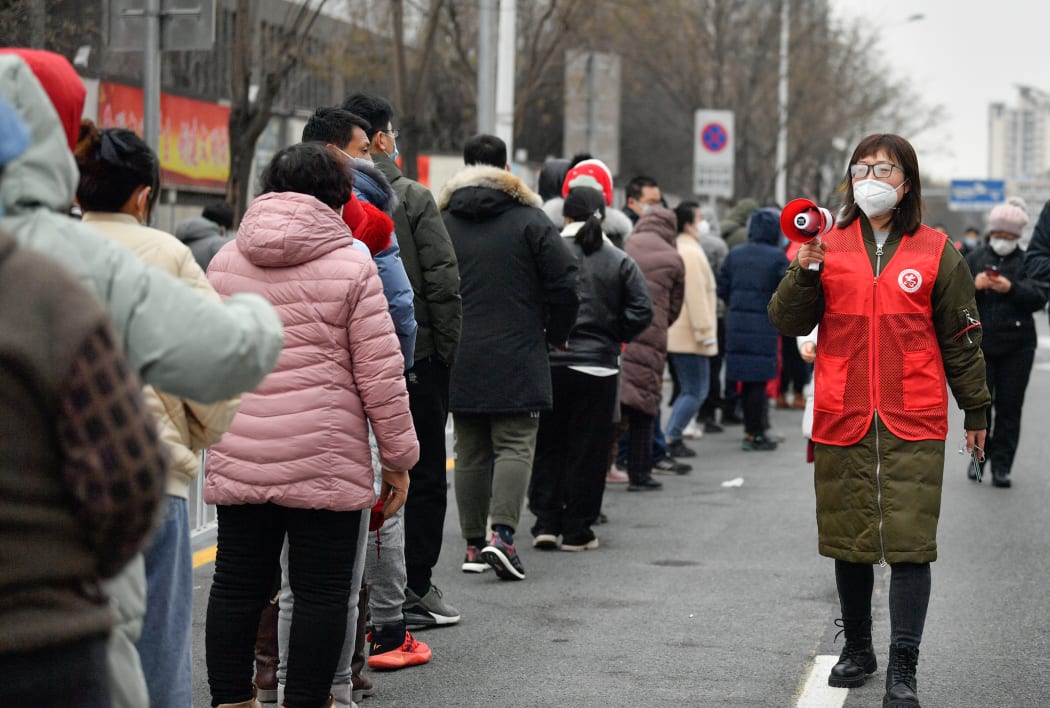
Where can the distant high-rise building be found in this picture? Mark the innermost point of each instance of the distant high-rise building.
(1019, 137)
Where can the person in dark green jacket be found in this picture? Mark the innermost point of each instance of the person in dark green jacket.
(430, 261)
(878, 486)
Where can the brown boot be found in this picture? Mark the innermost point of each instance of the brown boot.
(266, 654)
(782, 403)
(798, 403)
(362, 685)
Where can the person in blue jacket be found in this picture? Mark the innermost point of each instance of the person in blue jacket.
(748, 278)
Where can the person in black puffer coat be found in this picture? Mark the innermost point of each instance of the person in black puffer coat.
(518, 283)
(748, 278)
(1006, 299)
(568, 473)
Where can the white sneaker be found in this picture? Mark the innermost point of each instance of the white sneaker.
(693, 431)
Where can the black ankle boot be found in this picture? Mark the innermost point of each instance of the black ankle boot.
(857, 659)
(900, 678)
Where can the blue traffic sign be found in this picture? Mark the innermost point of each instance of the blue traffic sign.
(976, 194)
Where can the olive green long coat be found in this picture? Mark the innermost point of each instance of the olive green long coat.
(880, 498)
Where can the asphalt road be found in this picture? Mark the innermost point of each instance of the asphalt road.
(706, 595)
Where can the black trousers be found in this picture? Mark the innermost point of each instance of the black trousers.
(74, 674)
(639, 443)
(714, 399)
(1007, 376)
(572, 447)
(756, 407)
(794, 372)
(428, 492)
(321, 549)
(909, 597)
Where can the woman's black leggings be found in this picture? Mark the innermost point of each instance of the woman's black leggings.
(909, 597)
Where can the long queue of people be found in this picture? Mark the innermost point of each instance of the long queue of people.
(318, 354)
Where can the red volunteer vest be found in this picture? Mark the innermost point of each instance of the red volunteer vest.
(877, 346)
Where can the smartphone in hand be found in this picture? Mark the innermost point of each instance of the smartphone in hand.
(992, 271)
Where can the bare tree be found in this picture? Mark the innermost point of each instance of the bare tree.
(265, 59)
(409, 97)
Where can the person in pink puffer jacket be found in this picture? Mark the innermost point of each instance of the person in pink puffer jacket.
(296, 458)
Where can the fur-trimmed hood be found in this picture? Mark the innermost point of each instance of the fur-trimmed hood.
(471, 191)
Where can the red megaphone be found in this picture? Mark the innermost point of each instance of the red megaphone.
(802, 220)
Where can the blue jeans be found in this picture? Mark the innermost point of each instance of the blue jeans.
(693, 371)
(164, 647)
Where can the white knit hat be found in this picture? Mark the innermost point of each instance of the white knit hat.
(1007, 217)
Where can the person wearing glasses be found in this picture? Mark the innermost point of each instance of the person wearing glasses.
(895, 305)
(430, 261)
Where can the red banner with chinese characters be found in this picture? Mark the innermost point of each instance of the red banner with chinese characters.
(194, 135)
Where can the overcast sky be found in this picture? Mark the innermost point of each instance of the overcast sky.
(963, 56)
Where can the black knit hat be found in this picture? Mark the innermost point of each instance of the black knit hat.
(581, 203)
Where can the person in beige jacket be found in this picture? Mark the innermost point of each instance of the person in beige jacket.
(692, 338)
(119, 179)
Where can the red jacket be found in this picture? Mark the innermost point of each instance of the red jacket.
(878, 348)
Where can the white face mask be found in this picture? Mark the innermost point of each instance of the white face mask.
(703, 229)
(875, 198)
(1003, 246)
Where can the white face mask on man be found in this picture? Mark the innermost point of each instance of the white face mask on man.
(703, 229)
(875, 198)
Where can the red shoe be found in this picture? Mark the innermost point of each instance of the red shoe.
(411, 653)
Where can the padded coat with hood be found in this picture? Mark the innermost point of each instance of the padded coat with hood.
(203, 237)
(749, 277)
(178, 341)
(518, 283)
(430, 261)
(652, 246)
(300, 439)
(373, 189)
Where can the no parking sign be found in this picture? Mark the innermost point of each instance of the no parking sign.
(713, 153)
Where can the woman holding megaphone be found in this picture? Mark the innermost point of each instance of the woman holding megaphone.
(895, 305)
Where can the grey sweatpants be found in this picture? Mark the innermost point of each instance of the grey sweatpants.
(385, 571)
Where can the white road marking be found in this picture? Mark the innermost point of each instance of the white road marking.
(816, 693)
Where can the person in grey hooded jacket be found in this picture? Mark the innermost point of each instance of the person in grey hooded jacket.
(175, 339)
(204, 235)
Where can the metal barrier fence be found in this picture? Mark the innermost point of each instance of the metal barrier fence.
(202, 516)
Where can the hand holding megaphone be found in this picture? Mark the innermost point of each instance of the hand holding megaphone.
(804, 222)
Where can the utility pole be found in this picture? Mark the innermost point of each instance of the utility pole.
(151, 76)
(486, 108)
(780, 192)
(506, 47)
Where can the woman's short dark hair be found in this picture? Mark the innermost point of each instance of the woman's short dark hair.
(309, 168)
(113, 163)
(685, 213)
(907, 215)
